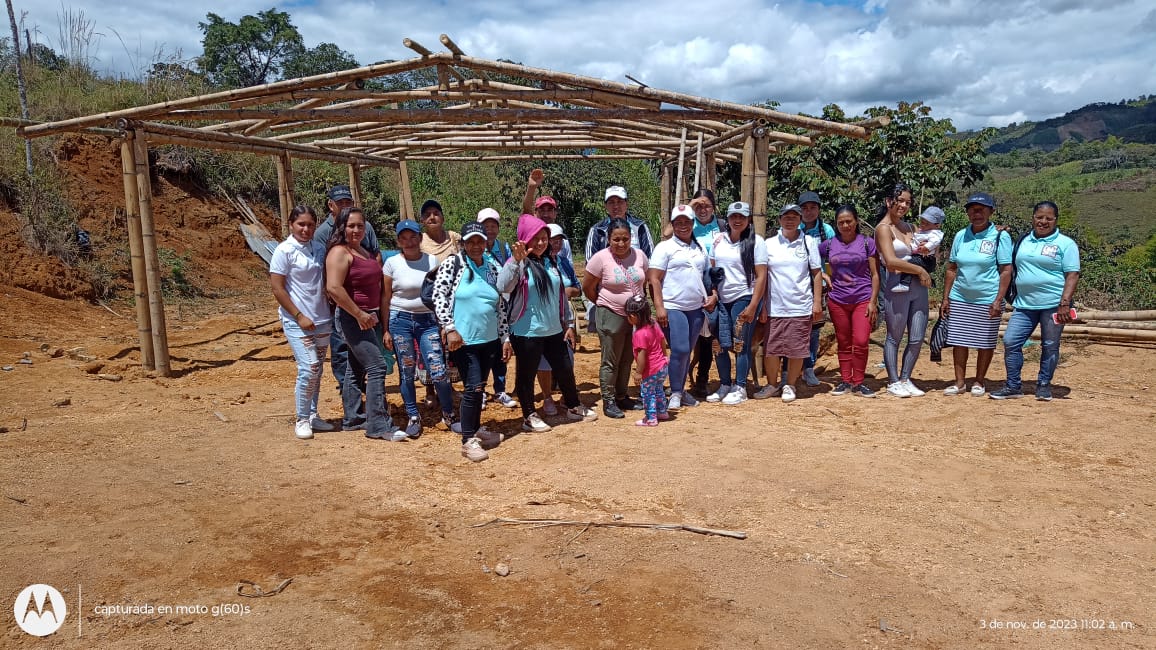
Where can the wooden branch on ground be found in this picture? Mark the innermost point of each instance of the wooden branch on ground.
(538, 523)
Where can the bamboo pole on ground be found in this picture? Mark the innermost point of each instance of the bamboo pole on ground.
(1119, 315)
(1114, 333)
(759, 182)
(681, 162)
(1119, 324)
(136, 251)
(355, 182)
(159, 327)
(405, 196)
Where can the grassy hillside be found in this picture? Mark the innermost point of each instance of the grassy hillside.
(1128, 120)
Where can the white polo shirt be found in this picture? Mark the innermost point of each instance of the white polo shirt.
(303, 266)
(728, 256)
(789, 265)
(684, 263)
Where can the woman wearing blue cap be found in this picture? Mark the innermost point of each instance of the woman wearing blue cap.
(410, 322)
(974, 286)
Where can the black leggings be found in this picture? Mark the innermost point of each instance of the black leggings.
(529, 351)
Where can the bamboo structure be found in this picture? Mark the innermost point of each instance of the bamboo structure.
(355, 183)
(1109, 333)
(1148, 315)
(405, 197)
(136, 252)
(761, 164)
(159, 329)
(284, 189)
(665, 205)
(678, 177)
(1119, 324)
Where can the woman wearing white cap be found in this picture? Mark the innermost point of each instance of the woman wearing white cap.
(411, 321)
(676, 282)
(794, 278)
(742, 256)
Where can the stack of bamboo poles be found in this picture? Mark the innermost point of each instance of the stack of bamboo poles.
(1111, 326)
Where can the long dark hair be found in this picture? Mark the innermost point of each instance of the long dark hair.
(338, 236)
(537, 266)
(890, 198)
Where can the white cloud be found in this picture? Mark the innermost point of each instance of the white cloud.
(976, 61)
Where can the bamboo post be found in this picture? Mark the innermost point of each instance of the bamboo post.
(698, 164)
(282, 195)
(152, 263)
(405, 197)
(355, 182)
(759, 182)
(290, 195)
(681, 162)
(747, 180)
(711, 172)
(136, 251)
(665, 204)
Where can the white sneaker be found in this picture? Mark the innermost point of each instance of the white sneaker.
(912, 389)
(954, 390)
(767, 391)
(809, 377)
(303, 429)
(898, 389)
(534, 424)
(977, 390)
(675, 402)
(788, 394)
(738, 395)
(472, 450)
(505, 400)
(688, 399)
(719, 394)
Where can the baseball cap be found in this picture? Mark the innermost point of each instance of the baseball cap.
(933, 214)
(473, 230)
(809, 197)
(982, 198)
(488, 213)
(681, 211)
(340, 193)
(615, 190)
(738, 207)
(545, 200)
(555, 231)
(791, 207)
(406, 224)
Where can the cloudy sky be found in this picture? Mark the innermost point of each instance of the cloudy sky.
(979, 62)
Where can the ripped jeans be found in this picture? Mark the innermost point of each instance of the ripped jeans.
(405, 328)
(309, 350)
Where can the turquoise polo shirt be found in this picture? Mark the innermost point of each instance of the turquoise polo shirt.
(476, 307)
(977, 257)
(705, 234)
(543, 316)
(1040, 267)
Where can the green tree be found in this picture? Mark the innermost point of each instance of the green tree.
(324, 58)
(250, 52)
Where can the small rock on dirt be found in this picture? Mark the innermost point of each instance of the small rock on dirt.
(8, 368)
(26, 362)
(93, 367)
(110, 377)
(502, 569)
(63, 401)
(25, 355)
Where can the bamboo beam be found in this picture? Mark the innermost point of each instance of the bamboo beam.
(416, 47)
(759, 189)
(156, 300)
(533, 156)
(452, 114)
(308, 103)
(329, 130)
(596, 95)
(164, 108)
(732, 110)
(306, 150)
(405, 195)
(681, 162)
(136, 251)
(341, 158)
(355, 183)
(505, 144)
(18, 122)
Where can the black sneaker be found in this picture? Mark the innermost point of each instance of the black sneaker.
(1044, 393)
(628, 404)
(842, 389)
(862, 391)
(612, 411)
(1006, 393)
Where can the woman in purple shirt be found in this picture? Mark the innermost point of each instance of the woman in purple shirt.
(853, 298)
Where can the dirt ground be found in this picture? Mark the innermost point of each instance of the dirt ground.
(923, 523)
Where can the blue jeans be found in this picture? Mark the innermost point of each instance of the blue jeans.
(309, 350)
(809, 361)
(728, 315)
(366, 374)
(682, 334)
(338, 354)
(1019, 327)
(474, 362)
(405, 328)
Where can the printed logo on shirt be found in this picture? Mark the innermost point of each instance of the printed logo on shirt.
(801, 253)
(1051, 250)
(987, 247)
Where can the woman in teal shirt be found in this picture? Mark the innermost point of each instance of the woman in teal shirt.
(974, 286)
(1047, 267)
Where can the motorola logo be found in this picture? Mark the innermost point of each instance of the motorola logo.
(40, 610)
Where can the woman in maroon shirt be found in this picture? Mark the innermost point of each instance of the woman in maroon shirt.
(353, 280)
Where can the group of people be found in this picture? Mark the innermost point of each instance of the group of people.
(463, 303)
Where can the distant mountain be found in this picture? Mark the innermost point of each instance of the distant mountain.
(1130, 120)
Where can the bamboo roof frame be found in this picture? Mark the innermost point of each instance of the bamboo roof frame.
(467, 114)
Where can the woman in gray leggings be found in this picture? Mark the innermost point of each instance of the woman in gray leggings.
(903, 310)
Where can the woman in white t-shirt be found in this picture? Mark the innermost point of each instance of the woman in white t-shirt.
(794, 278)
(296, 273)
(742, 257)
(680, 297)
(413, 327)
